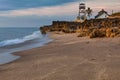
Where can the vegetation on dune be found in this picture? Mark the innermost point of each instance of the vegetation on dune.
(103, 32)
(116, 14)
(108, 27)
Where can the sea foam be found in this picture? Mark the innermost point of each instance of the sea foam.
(36, 40)
(34, 35)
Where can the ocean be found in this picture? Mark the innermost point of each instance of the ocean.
(19, 39)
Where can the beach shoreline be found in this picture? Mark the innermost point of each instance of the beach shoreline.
(67, 57)
(6, 55)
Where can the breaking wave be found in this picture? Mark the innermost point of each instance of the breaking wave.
(33, 36)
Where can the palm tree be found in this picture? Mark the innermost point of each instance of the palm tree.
(89, 12)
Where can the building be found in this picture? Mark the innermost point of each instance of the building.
(102, 14)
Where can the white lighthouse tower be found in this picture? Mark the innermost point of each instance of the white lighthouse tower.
(82, 13)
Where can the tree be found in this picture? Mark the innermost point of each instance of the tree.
(89, 12)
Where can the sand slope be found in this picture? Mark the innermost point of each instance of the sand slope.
(67, 58)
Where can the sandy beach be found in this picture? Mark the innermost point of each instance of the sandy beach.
(67, 58)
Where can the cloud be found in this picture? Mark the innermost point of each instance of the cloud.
(42, 15)
(22, 4)
(64, 9)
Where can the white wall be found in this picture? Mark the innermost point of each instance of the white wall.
(103, 16)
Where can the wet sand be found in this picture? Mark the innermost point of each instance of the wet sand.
(67, 58)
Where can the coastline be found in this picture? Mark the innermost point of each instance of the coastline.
(67, 57)
(6, 52)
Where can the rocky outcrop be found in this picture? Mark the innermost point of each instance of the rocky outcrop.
(102, 32)
(92, 28)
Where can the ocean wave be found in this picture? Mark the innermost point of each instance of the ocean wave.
(34, 35)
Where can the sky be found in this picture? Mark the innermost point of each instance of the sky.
(36, 13)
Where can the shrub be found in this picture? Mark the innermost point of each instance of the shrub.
(97, 33)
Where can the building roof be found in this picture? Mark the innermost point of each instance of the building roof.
(82, 3)
(101, 12)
